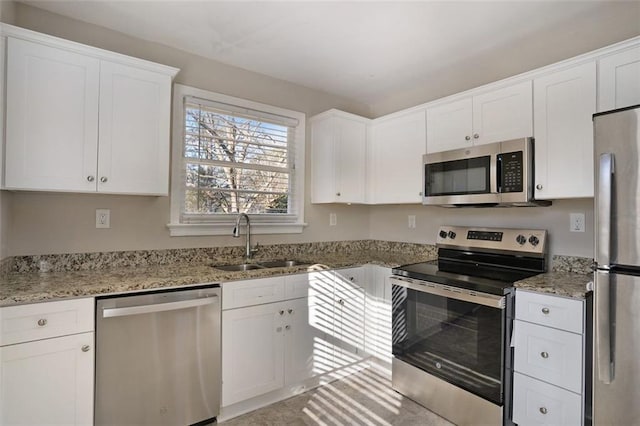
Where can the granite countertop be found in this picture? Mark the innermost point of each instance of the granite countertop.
(21, 287)
(567, 284)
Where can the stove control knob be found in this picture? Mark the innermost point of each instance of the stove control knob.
(521, 239)
(534, 240)
(443, 234)
(452, 235)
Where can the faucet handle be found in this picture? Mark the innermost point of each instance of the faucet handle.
(255, 248)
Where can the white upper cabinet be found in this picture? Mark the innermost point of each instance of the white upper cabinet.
(499, 115)
(396, 147)
(52, 118)
(80, 119)
(133, 154)
(564, 102)
(619, 80)
(338, 157)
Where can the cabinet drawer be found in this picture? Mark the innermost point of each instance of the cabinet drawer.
(296, 286)
(37, 321)
(552, 311)
(236, 294)
(349, 282)
(551, 355)
(539, 403)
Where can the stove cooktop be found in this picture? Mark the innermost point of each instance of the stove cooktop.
(496, 281)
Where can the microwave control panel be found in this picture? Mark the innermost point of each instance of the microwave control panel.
(511, 171)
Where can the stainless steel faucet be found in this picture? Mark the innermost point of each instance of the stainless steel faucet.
(236, 233)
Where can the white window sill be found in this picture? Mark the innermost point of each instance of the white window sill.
(201, 229)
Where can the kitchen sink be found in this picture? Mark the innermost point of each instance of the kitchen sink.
(260, 265)
(239, 267)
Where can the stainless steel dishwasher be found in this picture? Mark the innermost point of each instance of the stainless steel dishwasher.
(158, 358)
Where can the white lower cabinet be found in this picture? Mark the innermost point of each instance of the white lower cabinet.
(316, 327)
(47, 363)
(549, 360)
(47, 382)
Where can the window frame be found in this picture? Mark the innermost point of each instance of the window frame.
(222, 224)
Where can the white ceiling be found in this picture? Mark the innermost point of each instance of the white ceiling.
(361, 50)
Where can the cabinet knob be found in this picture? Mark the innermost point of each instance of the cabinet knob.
(91, 178)
(103, 179)
(279, 329)
(543, 410)
(290, 311)
(85, 348)
(420, 193)
(476, 136)
(545, 311)
(287, 327)
(42, 322)
(281, 312)
(341, 302)
(544, 355)
(467, 138)
(352, 279)
(539, 186)
(338, 194)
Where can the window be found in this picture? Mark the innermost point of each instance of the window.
(235, 156)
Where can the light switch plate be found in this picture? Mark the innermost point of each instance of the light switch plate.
(333, 219)
(103, 218)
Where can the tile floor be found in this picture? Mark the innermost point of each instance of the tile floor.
(362, 398)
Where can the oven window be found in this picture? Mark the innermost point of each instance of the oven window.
(468, 176)
(457, 341)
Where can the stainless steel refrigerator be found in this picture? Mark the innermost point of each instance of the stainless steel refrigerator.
(616, 374)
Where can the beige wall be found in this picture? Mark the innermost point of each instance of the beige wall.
(390, 223)
(37, 223)
(62, 223)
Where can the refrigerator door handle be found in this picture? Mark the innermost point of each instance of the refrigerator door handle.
(604, 352)
(605, 199)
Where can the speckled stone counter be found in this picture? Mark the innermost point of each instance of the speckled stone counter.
(18, 287)
(567, 284)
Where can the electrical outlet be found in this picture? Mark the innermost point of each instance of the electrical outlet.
(412, 221)
(333, 219)
(576, 222)
(103, 218)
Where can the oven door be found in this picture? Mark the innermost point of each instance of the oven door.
(450, 333)
(463, 176)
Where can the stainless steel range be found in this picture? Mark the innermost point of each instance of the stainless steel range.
(452, 321)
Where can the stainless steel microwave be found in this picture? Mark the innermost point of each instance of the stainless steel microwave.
(496, 174)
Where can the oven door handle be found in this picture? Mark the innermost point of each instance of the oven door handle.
(491, 300)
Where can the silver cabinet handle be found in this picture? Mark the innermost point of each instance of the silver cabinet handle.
(539, 186)
(290, 311)
(287, 327)
(476, 136)
(91, 178)
(42, 322)
(338, 194)
(420, 193)
(545, 311)
(85, 348)
(544, 355)
(103, 179)
(467, 138)
(543, 410)
(341, 302)
(281, 312)
(158, 307)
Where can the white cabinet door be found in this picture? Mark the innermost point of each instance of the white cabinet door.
(134, 130)
(307, 352)
(47, 382)
(351, 159)
(252, 351)
(338, 159)
(564, 102)
(619, 80)
(396, 149)
(503, 114)
(449, 126)
(348, 316)
(52, 118)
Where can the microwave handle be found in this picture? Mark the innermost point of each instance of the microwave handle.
(499, 173)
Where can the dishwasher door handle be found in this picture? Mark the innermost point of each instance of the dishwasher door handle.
(158, 307)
